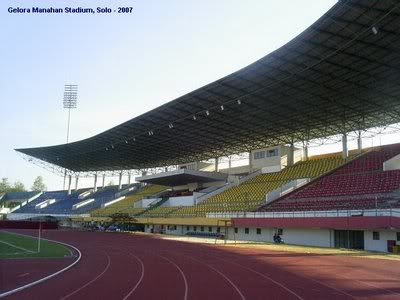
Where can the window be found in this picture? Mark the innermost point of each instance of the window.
(236, 230)
(258, 230)
(272, 152)
(209, 229)
(175, 227)
(279, 231)
(375, 236)
(246, 231)
(162, 226)
(398, 236)
(259, 155)
(194, 228)
(202, 228)
(219, 230)
(187, 228)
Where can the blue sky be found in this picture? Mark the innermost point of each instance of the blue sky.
(125, 64)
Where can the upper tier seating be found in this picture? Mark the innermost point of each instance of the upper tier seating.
(361, 184)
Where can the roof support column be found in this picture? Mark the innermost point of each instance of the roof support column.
(345, 151)
(120, 181)
(76, 182)
(290, 157)
(230, 162)
(69, 184)
(129, 178)
(359, 142)
(95, 183)
(216, 164)
(305, 150)
(104, 180)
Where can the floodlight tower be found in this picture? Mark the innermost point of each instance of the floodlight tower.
(69, 102)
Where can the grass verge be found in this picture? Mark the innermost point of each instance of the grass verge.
(18, 246)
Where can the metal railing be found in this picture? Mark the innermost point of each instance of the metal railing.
(390, 212)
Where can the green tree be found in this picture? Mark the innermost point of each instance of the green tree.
(4, 185)
(18, 187)
(38, 185)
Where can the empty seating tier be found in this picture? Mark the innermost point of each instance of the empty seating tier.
(359, 184)
(249, 195)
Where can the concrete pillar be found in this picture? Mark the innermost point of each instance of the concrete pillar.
(104, 180)
(129, 178)
(345, 151)
(305, 150)
(216, 164)
(359, 142)
(95, 183)
(120, 181)
(250, 162)
(290, 156)
(69, 184)
(230, 162)
(166, 169)
(76, 183)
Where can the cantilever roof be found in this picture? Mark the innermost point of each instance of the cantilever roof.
(339, 75)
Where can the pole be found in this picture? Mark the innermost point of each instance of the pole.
(40, 232)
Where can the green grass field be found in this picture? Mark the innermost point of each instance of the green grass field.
(18, 246)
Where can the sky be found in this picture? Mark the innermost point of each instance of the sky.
(124, 64)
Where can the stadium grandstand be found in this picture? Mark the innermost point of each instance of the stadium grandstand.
(338, 78)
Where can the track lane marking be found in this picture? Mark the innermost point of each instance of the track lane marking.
(180, 271)
(140, 279)
(322, 283)
(264, 276)
(223, 275)
(13, 291)
(91, 281)
(311, 279)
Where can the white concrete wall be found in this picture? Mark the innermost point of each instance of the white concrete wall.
(307, 237)
(274, 161)
(392, 164)
(180, 201)
(379, 245)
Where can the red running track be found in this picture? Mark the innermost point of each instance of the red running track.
(137, 266)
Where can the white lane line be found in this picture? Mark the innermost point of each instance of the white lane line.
(264, 276)
(369, 284)
(17, 247)
(49, 276)
(91, 281)
(223, 275)
(311, 279)
(182, 274)
(140, 279)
